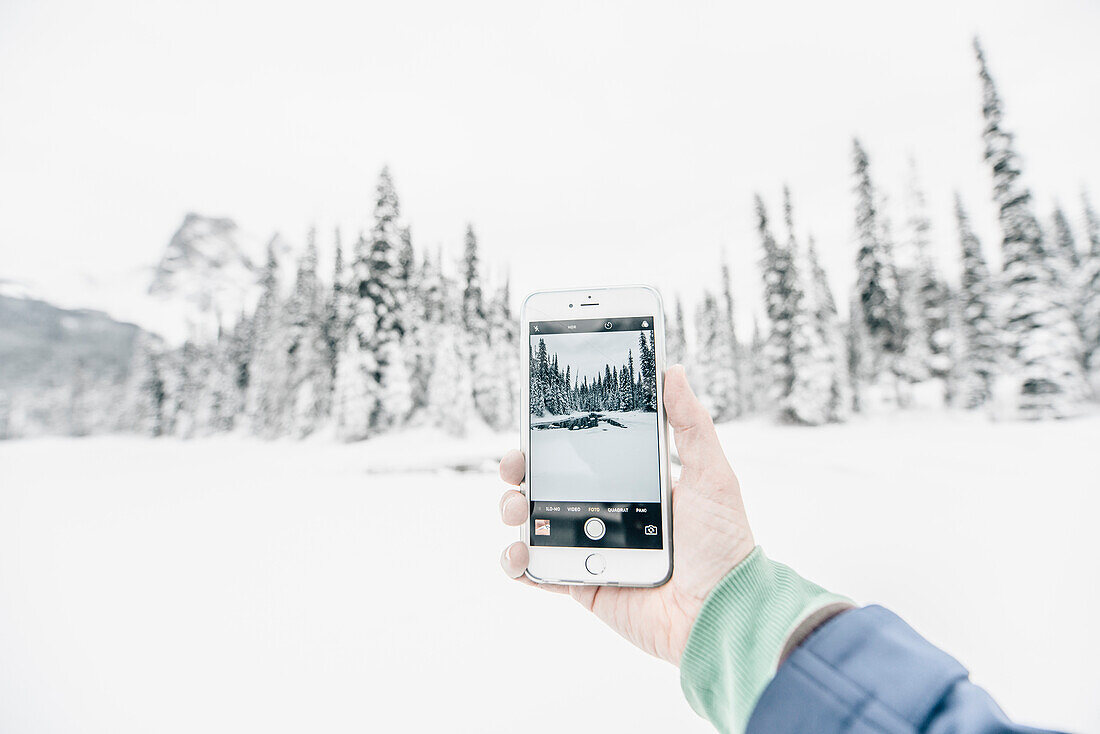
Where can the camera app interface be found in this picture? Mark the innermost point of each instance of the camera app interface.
(593, 469)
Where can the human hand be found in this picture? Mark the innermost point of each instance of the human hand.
(709, 524)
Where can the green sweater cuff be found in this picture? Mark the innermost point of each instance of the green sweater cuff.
(735, 644)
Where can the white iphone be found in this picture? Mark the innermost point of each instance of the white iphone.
(595, 437)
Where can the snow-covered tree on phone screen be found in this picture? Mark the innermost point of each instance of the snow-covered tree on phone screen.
(629, 385)
(648, 369)
(981, 346)
(1043, 341)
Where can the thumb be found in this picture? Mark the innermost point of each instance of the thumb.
(696, 440)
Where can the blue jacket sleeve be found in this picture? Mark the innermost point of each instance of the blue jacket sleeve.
(867, 672)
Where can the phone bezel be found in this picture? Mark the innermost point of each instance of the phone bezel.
(625, 566)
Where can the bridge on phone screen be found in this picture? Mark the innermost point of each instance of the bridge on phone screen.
(576, 422)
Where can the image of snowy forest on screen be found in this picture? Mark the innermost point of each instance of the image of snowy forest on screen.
(594, 417)
(260, 350)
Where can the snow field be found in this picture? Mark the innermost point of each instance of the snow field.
(233, 585)
(605, 464)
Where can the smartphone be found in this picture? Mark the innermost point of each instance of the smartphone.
(595, 437)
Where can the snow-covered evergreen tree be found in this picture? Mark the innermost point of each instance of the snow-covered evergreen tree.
(450, 404)
(146, 390)
(268, 369)
(980, 342)
(675, 338)
(925, 293)
(737, 397)
(309, 370)
(877, 293)
(826, 320)
(499, 400)
(714, 377)
(373, 393)
(1043, 341)
(810, 392)
(778, 271)
(1090, 297)
(336, 308)
(489, 401)
(427, 311)
(856, 352)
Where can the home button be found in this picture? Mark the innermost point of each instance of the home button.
(595, 564)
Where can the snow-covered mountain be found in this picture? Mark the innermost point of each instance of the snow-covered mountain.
(207, 273)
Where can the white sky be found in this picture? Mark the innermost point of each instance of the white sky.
(588, 142)
(589, 353)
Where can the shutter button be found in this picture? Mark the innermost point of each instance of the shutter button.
(594, 528)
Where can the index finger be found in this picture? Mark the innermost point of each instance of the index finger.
(513, 467)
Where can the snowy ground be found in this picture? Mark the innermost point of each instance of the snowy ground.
(606, 463)
(230, 585)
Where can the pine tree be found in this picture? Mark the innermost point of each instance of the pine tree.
(981, 344)
(1069, 278)
(1043, 342)
(450, 402)
(224, 390)
(675, 337)
(427, 312)
(629, 385)
(736, 398)
(310, 372)
(781, 296)
(500, 399)
(473, 306)
(856, 353)
(146, 390)
(826, 320)
(268, 369)
(479, 350)
(714, 374)
(807, 397)
(877, 292)
(1090, 298)
(925, 293)
(336, 308)
(647, 368)
(373, 393)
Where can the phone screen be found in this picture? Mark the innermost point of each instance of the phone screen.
(594, 468)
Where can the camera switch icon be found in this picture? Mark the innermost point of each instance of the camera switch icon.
(650, 529)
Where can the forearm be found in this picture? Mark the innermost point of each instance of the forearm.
(742, 632)
(772, 652)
